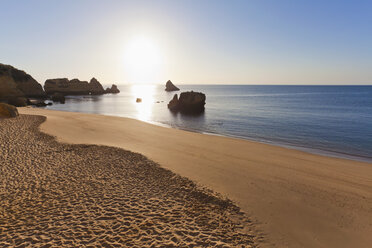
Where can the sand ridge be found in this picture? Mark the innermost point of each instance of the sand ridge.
(54, 194)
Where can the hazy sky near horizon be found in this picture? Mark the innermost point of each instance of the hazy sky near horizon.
(209, 41)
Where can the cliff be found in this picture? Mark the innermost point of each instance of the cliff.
(17, 83)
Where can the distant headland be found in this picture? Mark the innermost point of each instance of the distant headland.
(21, 89)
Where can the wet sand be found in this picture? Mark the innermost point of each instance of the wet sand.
(62, 195)
(294, 198)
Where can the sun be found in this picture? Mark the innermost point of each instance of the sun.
(143, 61)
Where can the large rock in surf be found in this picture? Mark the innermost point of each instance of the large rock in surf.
(169, 86)
(7, 111)
(114, 90)
(17, 83)
(189, 102)
(173, 104)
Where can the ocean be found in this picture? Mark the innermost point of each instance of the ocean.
(331, 120)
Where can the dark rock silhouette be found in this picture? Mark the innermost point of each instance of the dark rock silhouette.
(169, 86)
(18, 101)
(8, 111)
(16, 87)
(114, 89)
(66, 87)
(57, 85)
(189, 102)
(173, 104)
(96, 87)
(76, 87)
(58, 97)
(17, 83)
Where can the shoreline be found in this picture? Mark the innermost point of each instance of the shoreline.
(294, 198)
(298, 147)
(311, 150)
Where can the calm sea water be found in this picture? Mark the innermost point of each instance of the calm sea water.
(328, 119)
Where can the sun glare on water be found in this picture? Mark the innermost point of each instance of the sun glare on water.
(145, 107)
(143, 61)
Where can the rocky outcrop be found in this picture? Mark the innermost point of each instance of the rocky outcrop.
(79, 87)
(76, 87)
(96, 87)
(189, 102)
(8, 88)
(173, 104)
(17, 83)
(58, 97)
(57, 85)
(17, 86)
(18, 101)
(113, 90)
(169, 86)
(7, 111)
(66, 87)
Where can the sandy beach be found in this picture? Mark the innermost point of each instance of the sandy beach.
(186, 124)
(294, 198)
(60, 195)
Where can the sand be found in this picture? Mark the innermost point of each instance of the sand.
(61, 195)
(294, 198)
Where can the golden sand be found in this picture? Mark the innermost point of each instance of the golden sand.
(296, 199)
(61, 195)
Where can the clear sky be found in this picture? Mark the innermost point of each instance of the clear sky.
(230, 42)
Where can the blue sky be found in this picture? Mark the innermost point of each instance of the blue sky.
(237, 42)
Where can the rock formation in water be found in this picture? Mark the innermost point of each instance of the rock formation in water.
(66, 87)
(173, 104)
(189, 102)
(16, 87)
(114, 90)
(76, 87)
(17, 83)
(96, 87)
(58, 97)
(169, 86)
(7, 111)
